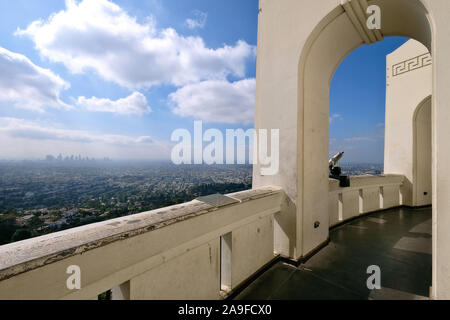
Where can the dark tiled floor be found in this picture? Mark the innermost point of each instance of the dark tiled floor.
(398, 241)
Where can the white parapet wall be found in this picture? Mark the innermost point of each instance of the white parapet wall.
(188, 251)
(368, 193)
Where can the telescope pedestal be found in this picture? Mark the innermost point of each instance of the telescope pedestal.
(335, 173)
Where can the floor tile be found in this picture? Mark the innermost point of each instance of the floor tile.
(396, 240)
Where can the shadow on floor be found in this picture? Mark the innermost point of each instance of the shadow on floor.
(397, 240)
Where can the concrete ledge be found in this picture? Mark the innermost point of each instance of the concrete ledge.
(358, 182)
(33, 253)
(368, 193)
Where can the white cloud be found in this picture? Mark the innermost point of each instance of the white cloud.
(335, 116)
(359, 139)
(216, 101)
(27, 85)
(198, 21)
(99, 35)
(19, 128)
(136, 103)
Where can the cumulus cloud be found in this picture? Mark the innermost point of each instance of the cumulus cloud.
(136, 103)
(27, 85)
(216, 101)
(99, 35)
(198, 21)
(20, 128)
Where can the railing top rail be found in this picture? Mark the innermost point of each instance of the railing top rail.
(366, 181)
(19, 257)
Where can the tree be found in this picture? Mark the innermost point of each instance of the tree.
(7, 229)
(35, 222)
(21, 234)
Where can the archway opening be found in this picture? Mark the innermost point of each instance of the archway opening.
(380, 115)
(331, 41)
(358, 108)
(380, 99)
(338, 34)
(422, 175)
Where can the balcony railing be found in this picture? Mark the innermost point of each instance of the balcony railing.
(366, 194)
(188, 251)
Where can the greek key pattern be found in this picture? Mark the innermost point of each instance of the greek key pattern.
(411, 64)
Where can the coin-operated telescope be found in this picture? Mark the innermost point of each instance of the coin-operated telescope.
(336, 171)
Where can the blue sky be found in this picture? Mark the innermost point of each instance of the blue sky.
(101, 78)
(357, 102)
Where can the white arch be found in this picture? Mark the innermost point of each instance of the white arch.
(300, 43)
(331, 41)
(422, 153)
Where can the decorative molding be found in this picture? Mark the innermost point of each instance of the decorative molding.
(411, 64)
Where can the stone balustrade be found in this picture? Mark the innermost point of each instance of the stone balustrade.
(366, 194)
(194, 250)
(188, 251)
